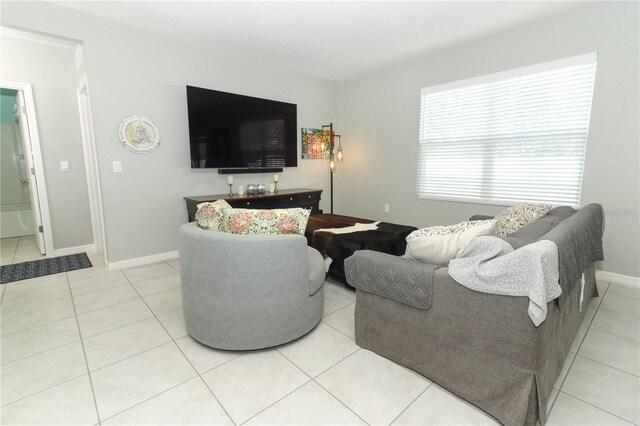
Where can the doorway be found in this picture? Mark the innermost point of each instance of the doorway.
(24, 203)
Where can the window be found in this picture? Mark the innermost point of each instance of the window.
(515, 136)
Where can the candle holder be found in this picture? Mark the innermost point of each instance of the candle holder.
(275, 190)
(230, 189)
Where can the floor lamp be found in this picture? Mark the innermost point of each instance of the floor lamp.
(335, 155)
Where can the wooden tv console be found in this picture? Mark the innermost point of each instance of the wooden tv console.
(284, 199)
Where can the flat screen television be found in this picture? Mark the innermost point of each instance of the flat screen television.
(227, 130)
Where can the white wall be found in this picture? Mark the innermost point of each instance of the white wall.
(379, 116)
(131, 72)
(50, 68)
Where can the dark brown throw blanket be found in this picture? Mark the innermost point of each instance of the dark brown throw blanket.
(320, 240)
(388, 238)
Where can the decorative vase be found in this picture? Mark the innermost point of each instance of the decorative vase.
(262, 189)
(251, 189)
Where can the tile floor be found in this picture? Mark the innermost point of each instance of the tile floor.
(110, 347)
(19, 249)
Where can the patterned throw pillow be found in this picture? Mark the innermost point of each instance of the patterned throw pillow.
(439, 244)
(210, 216)
(515, 217)
(266, 222)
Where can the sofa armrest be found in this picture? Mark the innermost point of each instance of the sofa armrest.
(406, 281)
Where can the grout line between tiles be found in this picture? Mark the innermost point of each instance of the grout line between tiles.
(182, 352)
(84, 354)
(616, 335)
(119, 327)
(311, 379)
(150, 398)
(212, 368)
(40, 352)
(611, 334)
(38, 304)
(411, 403)
(42, 390)
(36, 325)
(553, 403)
(275, 402)
(15, 250)
(108, 306)
(326, 369)
(338, 399)
(171, 266)
(604, 364)
(326, 323)
(340, 286)
(339, 331)
(580, 345)
(131, 356)
(577, 353)
(588, 403)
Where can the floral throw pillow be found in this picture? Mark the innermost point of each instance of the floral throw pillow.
(210, 216)
(515, 217)
(266, 222)
(439, 244)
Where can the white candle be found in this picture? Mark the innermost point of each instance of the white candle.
(275, 178)
(240, 190)
(229, 180)
(272, 187)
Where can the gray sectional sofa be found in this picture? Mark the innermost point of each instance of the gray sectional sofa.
(482, 347)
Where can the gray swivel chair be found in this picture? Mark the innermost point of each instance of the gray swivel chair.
(243, 292)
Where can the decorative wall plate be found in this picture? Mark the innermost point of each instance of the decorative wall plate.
(138, 134)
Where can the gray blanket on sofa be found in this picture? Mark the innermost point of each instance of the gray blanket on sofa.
(576, 233)
(490, 265)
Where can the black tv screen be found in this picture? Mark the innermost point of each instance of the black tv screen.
(229, 130)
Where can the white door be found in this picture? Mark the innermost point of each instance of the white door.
(33, 184)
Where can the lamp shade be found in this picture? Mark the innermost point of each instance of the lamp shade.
(338, 151)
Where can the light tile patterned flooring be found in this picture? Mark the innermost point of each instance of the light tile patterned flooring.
(110, 347)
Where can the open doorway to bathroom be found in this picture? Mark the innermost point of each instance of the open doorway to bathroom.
(53, 71)
(21, 223)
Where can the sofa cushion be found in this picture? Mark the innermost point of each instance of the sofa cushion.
(515, 217)
(537, 229)
(266, 222)
(210, 216)
(439, 244)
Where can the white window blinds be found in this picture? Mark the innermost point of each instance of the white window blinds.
(515, 136)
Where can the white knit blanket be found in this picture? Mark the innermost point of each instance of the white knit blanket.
(355, 228)
(490, 265)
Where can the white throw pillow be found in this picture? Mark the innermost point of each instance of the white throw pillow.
(515, 217)
(439, 244)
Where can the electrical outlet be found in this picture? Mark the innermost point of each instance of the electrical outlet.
(386, 208)
(117, 167)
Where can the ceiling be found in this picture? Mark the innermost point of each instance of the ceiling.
(336, 40)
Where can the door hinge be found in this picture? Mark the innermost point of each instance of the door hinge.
(33, 171)
(40, 229)
(24, 109)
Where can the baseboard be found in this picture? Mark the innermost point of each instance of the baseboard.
(89, 248)
(141, 261)
(618, 278)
